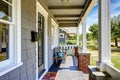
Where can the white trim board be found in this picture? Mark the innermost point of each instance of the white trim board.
(43, 12)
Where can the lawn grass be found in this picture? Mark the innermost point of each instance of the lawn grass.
(115, 51)
(93, 61)
(116, 61)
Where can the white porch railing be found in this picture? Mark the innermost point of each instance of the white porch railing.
(69, 48)
(115, 73)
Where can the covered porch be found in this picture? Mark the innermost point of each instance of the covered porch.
(72, 15)
(29, 33)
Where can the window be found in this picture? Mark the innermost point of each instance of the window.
(10, 35)
(6, 10)
(61, 35)
(5, 15)
(4, 41)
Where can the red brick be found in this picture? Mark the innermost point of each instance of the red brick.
(83, 62)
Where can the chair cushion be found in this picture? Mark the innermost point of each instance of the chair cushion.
(60, 55)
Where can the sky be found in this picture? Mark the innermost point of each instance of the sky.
(92, 17)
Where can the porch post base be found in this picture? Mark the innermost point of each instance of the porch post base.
(84, 61)
(101, 65)
(84, 50)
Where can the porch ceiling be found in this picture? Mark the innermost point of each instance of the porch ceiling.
(69, 30)
(68, 14)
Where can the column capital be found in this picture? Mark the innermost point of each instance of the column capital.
(84, 19)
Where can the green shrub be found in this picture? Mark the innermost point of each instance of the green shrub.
(71, 42)
(93, 47)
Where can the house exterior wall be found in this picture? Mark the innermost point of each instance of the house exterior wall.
(50, 51)
(52, 40)
(28, 49)
(62, 40)
(28, 22)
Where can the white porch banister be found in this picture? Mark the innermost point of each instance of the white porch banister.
(69, 48)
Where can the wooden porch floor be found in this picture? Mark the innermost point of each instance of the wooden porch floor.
(69, 70)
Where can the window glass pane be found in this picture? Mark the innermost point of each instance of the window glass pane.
(4, 41)
(5, 11)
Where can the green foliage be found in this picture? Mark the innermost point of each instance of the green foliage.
(62, 43)
(94, 31)
(93, 47)
(71, 42)
(80, 37)
(72, 37)
(115, 29)
(89, 36)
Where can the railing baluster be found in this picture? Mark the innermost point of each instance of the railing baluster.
(69, 48)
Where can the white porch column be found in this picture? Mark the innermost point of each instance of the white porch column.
(104, 34)
(77, 42)
(84, 49)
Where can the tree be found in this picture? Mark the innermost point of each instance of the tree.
(80, 37)
(115, 29)
(89, 36)
(94, 31)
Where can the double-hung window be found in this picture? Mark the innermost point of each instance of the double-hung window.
(10, 35)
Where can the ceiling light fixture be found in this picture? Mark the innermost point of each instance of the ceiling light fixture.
(64, 1)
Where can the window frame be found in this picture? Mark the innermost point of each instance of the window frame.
(14, 60)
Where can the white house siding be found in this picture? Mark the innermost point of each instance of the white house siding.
(50, 52)
(28, 70)
(52, 42)
(28, 22)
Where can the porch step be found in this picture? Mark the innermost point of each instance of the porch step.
(95, 74)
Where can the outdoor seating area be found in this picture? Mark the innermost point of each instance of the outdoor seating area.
(60, 55)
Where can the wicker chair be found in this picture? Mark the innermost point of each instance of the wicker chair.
(57, 49)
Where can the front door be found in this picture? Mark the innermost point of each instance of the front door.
(40, 43)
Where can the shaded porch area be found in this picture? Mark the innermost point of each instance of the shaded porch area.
(68, 70)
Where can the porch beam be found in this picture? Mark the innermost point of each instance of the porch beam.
(67, 20)
(76, 15)
(67, 25)
(104, 34)
(84, 49)
(65, 7)
(87, 3)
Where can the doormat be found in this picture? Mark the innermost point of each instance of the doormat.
(50, 76)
